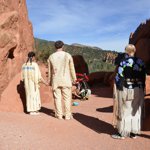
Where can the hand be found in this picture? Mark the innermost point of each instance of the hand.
(46, 83)
(74, 82)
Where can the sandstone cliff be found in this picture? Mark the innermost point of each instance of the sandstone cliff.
(80, 64)
(141, 39)
(16, 39)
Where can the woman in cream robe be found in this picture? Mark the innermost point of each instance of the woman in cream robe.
(31, 76)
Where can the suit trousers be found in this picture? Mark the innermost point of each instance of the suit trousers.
(64, 93)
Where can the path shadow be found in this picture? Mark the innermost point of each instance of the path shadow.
(108, 109)
(94, 124)
(144, 136)
(21, 92)
(47, 111)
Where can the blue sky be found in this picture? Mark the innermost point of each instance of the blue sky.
(103, 23)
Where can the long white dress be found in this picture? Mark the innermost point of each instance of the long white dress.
(130, 102)
(31, 76)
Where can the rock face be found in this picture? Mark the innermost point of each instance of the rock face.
(146, 114)
(16, 40)
(103, 78)
(141, 39)
(110, 57)
(80, 64)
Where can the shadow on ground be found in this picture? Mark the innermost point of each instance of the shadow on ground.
(47, 111)
(94, 124)
(108, 109)
(21, 92)
(144, 136)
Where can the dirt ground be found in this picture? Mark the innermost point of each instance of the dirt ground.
(89, 130)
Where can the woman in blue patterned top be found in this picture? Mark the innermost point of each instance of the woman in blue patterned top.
(130, 84)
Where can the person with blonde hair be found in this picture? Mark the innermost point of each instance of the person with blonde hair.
(31, 76)
(61, 74)
(130, 84)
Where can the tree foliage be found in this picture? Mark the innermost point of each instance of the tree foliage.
(96, 58)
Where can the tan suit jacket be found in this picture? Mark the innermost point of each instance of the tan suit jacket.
(61, 71)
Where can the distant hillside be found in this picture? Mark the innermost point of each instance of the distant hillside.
(96, 58)
(81, 45)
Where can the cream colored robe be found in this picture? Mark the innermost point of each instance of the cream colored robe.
(61, 70)
(31, 76)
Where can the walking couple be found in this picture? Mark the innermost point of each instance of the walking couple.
(61, 76)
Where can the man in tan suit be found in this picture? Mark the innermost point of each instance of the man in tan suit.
(61, 74)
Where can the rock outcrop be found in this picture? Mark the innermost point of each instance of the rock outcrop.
(80, 64)
(16, 40)
(101, 78)
(146, 112)
(141, 39)
(110, 57)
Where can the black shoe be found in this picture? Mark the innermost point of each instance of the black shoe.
(133, 136)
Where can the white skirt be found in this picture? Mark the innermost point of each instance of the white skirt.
(130, 102)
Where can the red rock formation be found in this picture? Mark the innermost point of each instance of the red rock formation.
(141, 39)
(80, 64)
(104, 78)
(146, 124)
(16, 39)
(110, 57)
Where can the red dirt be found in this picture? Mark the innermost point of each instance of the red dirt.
(89, 130)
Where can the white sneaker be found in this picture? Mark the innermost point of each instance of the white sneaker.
(69, 118)
(117, 136)
(34, 113)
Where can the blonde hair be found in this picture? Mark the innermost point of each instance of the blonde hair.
(130, 49)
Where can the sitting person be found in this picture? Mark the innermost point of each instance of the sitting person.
(81, 89)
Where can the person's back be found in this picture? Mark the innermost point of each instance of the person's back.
(132, 70)
(31, 72)
(130, 82)
(61, 69)
(61, 74)
(31, 76)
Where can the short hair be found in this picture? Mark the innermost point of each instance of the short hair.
(130, 48)
(59, 44)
